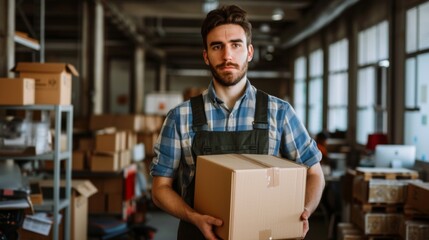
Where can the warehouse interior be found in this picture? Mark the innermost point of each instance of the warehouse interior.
(75, 156)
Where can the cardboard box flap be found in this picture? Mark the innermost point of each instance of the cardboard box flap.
(45, 67)
(253, 161)
(83, 187)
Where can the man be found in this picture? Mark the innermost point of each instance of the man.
(231, 116)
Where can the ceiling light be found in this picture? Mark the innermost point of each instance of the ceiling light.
(209, 5)
(278, 14)
(265, 28)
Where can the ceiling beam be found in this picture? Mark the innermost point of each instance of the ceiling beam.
(321, 15)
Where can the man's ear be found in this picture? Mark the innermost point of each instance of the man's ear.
(250, 52)
(205, 56)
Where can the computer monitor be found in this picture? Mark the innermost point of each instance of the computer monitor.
(396, 156)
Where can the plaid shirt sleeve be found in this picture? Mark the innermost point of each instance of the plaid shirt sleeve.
(295, 142)
(167, 148)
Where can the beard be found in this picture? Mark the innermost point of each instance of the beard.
(228, 79)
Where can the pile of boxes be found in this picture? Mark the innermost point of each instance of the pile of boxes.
(37, 83)
(112, 151)
(382, 200)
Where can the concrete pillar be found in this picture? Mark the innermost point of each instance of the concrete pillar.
(139, 86)
(7, 32)
(98, 58)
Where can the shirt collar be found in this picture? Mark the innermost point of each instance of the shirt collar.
(248, 93)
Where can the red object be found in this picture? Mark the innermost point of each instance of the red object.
(130, 182)
(375, 139)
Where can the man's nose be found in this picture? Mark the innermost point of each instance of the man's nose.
(227, 53)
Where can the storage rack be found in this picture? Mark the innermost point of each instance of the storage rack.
(57, 156)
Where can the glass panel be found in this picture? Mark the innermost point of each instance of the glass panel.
(344, 54)
(410, 83)
(300, 68)
(365, 125)
(423, 81)
(361, 46)
(315, 105)
(371, 40)
(411, 34)
(299, 99)
(383, 40)
(366, 87)
(343, 89)
(423, 18)
(337, 119)
(415, 133)
(316, 63)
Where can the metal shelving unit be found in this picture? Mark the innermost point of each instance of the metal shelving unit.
(57, 204)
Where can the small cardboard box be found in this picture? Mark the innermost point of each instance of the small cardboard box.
(256, 196)
(81, 191)
(40, 226)
(417, 197)
(105, 162)
(53, 81)
(110, 142)
(100, 121)
(17, 91)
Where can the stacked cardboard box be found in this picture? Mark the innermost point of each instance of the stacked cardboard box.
(379, 195)
(111, 153)
(17, 91)
(116, 192)
(416, 225)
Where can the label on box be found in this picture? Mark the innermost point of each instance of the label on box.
(39, 223)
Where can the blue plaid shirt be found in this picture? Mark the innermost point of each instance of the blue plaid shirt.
(288, 138)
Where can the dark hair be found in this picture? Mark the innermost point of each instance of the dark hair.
(229, 14)
(322, 136)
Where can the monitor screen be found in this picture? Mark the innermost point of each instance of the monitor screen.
(397, 156)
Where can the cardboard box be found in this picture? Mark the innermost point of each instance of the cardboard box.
(81, 191)
(131, 122)
(417, 197)
(40, 226)
(101, 121)
(111, 142)
(79, 160)
(106, 162)
(151, 123)
(376, 223)
(416, 230)
(53, 81)
(256, 196)
(161, 103)
(17, 91)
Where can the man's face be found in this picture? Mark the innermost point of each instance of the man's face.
(227, 54)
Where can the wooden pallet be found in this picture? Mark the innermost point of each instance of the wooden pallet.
(382, 208)
(382, 238)
(386, 173)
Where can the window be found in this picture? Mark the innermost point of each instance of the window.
(416, 125)
(373, 49)
(315, 97)
(338, 86)
(300, 91)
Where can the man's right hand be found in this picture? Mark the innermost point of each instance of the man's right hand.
(206, 225)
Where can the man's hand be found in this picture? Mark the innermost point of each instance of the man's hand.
(304, 217)
(206, 225)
